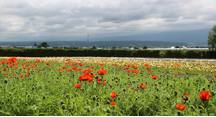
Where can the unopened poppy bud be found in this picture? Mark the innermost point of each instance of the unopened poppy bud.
(179, 113)
(155, 84)
(156, 97)
(167, 98)
(175, 93)
(67, 95)
(26, 104)
(29, 95)
(39, 86)
(9, 93)
(159, 82)
(170, 85)
(63, 106)
(209, 85)
(75, 94)
(201, 111)
(203, 88)
(3, 102)
(134, 81)
(116, 81)
(33, 88)
(157, 89)
(87, 108)
(94, 97)
(62, 102)
(146, 82)
(110, 86)
(5, 81)
(108, 110)
(124, 89)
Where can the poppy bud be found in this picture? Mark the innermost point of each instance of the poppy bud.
(203, 88)
(2, 102)
(33, 88)
(201, 111)
(62, 102)
(124, 89)
(110, 86)
(44, 97)
(8, 99)
(5, 81)
(63, 106)
(26, 104)
(39, 86)
(9, 93)
(167, 98)
(175, 93)
(170, 85)
(125, 83)
(108, 110)
(116, 81)
(75, 94)
(67, 95)
(209, 85)
(179, 113)
(146, 82)
(134, 81)
(156, 97)
(29, 95)
(198, 90)
(155, 84)
(157, 89)
(87, 108)
(186, 98)
(159, 82)
(94, 97)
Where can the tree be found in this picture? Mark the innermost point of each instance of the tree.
(94, 47)
(44, 44)
(212, 39)
(144, 47)
(35, 44)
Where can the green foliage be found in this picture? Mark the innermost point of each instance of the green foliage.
(212, 38)
(108, 53)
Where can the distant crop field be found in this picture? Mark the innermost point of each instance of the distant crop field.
(88, 86)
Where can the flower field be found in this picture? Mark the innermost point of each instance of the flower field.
(106, 87)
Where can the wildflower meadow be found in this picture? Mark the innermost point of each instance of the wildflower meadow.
(90, 86)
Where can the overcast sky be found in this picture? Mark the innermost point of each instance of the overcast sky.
(33, 20)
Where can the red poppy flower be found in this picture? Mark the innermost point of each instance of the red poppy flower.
(175, 74)
(154, 77)
(113, 103)
(142, 85)
(99, 82)
(215, 75)
(187, 95)
(104, 83)
(92, 67)
(102, 67)
(3, 62)
(10, 65)
(47, 63)
(146, 64)
(61, 70)
(115, 64)
(90, 79)
(78, 86)
(180, 106)
(21, 76)
(113, 94)
(126, 67)
(102, 72)
(204, 95)
(63, 67)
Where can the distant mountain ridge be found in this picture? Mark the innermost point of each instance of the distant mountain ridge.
(99, 43)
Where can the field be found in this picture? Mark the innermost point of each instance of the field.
(107, 87)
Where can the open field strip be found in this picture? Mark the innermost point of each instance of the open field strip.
(107, 86)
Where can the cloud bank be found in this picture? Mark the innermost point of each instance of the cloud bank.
(22, 20)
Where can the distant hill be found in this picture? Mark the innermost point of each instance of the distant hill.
(100, 43)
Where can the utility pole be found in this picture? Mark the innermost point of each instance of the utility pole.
(88, 40)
